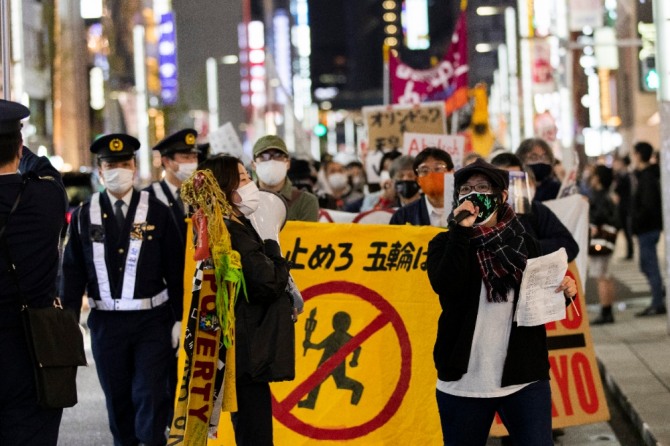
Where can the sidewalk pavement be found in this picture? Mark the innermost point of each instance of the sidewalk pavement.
(634, 352)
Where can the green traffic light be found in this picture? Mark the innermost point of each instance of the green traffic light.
(320, 130)
(652, 80)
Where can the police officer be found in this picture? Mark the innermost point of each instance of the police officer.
(124, 250)
(179, 157)
(31, 236)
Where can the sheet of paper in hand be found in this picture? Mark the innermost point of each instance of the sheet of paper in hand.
(538, 301)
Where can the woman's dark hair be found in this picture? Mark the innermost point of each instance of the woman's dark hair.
(527, 146)
(392, 155)
(433, 152)
(10, 144)
(225, 170)
(506, 159)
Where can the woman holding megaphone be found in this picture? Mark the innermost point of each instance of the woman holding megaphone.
(265, 305)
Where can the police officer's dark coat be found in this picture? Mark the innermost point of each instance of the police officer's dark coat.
(32, 235)
(160, 264)
(177, 212)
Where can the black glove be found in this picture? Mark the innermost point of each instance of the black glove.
(271, 248)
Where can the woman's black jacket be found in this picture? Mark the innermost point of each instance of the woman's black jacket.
(266, 275)
(455, 276)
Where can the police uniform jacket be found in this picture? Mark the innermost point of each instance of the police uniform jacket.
(160, 264)
(32, 235)
(162, 192)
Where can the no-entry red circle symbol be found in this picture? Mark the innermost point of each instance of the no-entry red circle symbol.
(387, 315)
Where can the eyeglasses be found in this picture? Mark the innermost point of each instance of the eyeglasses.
(424, 170)
(479, 187)
(271, 155)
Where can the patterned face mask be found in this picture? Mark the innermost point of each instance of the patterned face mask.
(486, 202)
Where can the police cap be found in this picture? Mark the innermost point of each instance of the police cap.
(115, 146)
(183, 142)
(11, 114)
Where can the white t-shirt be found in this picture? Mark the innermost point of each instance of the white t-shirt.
(436, 215)
(488, 352)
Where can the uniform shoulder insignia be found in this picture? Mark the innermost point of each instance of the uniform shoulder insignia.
(30, 176)
(34, 176)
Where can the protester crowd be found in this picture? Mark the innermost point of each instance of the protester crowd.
(125, 254)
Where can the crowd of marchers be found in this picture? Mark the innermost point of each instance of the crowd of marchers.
(124, 262)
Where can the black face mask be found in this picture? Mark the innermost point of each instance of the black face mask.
(542, 171)
(407, 188)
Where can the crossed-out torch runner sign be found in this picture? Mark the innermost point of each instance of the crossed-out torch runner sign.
(330, 345)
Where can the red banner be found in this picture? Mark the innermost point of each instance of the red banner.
(447, 81)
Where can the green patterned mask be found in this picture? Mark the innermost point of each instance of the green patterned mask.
(486, 202)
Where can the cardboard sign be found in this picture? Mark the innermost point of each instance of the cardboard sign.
(454, 145)
(225, 140)
(386, 124)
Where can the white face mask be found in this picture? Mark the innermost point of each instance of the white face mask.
(250, 198)
(185, 170)
(338, 180)
(118, 180)
(271, 172)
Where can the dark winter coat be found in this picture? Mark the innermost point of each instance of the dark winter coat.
(265, 274)
(647, 205)
(455, 276)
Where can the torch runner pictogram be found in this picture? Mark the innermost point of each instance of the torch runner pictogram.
(310, 325)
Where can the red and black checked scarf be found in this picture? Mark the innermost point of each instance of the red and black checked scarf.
(501, 253)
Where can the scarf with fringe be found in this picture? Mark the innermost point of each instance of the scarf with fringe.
(501, 254)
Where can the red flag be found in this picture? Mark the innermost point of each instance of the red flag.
(447, 81)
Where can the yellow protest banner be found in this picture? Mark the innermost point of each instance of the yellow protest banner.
(364, 365)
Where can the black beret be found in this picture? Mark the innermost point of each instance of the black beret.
(11, 114)
(499, 177)
(183, 142)
(115, 145)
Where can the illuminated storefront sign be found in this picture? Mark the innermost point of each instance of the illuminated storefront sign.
(167, 59)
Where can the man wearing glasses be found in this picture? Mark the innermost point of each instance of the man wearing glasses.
(271, 163)
(430, 166)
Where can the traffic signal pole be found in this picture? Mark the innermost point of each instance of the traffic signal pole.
(662, 21)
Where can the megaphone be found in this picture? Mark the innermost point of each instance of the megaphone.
(270, 216)
(268, 220)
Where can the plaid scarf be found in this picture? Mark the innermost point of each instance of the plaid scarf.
(501, 253)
